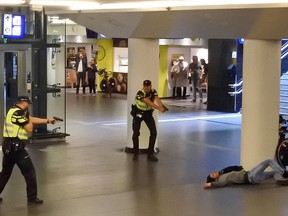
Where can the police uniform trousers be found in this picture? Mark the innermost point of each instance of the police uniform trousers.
(24, 162)
(147, 117)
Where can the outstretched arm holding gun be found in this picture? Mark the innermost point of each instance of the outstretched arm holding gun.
(159, 102)
(36, 120)
(58, 119)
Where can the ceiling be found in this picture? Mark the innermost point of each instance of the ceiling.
(211, 20)
(254, 23)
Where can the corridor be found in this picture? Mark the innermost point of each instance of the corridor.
(90, 174)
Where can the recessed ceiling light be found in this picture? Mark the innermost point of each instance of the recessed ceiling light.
(63, 3)
(9, 2)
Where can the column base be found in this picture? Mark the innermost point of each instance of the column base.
(141, 151)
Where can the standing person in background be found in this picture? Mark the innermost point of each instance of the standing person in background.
(173, 76)
(91, 76)
(205, 76)
(143, 111)
(182, 78)
(17, 126)
(80, 67)
(195, 69)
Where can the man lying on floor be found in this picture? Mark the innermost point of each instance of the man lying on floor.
(237, 175)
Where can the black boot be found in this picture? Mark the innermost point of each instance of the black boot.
(135, 157)
(151, 157)
(36, 201)
(285, 174)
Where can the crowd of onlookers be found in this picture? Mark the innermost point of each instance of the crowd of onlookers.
(183, 75)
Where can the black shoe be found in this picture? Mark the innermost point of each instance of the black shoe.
(194, 100)
(282, 182)
(1, 200)
(37, 201)
(285, 174)
(135, 157)
(152, 158)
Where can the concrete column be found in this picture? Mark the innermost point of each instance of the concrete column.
(260, 103)
(143, 61)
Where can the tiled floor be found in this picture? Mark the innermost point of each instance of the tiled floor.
(91, 175)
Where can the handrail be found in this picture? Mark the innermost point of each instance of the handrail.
(237, 84)
(283, 54)
(236, 92)
(284, 51)
(284, 46)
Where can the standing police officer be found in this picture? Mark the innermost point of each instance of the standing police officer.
(17, 126)
(143, 111)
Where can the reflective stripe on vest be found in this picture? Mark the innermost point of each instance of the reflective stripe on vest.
(141, 104)
(13, 130)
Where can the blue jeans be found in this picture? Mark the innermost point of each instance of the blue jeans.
(258, 174)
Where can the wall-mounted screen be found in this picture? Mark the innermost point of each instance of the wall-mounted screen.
(14, 26)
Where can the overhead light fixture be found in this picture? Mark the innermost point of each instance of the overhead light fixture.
(63, 3)
(62, 21)
(174, 4)
(9, 2)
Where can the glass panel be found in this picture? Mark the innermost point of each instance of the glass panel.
(56, 78)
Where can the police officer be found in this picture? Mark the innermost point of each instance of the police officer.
(143, 110)
(17, 126)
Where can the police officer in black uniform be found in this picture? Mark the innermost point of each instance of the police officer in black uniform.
(17, 126)
(143, 111)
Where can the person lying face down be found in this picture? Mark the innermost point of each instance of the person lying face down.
(237, 175)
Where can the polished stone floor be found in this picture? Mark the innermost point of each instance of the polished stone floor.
(90, 175)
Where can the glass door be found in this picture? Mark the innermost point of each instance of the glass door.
(15, 62)
(56, 80)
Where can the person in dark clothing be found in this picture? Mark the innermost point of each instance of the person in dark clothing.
(194, 69)
(237, 175)
(204, 66)
(17, 126)
(173, 70)
(91, 76)
(80, 66)
(143, 111)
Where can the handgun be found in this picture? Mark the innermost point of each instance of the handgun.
(57, 118)
(166, 109)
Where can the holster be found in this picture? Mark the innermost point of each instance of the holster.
(12, 144)
(134, 110)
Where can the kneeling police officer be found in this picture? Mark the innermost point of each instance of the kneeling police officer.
(17, 126)
(143, 111)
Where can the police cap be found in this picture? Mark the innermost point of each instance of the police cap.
(146, 83)
(24, 98)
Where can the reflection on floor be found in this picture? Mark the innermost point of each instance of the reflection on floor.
(91, 175)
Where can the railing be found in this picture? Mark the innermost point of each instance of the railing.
(284, 94)
(235, 86)
(284, 53)
(284, 50)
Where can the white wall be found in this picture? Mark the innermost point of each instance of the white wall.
(185, 51)
(202, 53)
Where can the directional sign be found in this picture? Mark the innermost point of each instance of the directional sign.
(14, 26)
